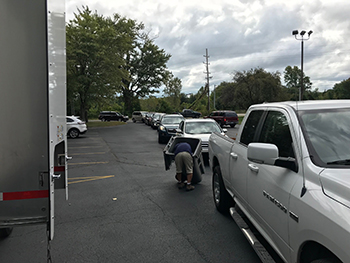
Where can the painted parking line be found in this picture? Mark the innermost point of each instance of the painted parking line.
(69, 164)
(84, 147)
(87, 179)
(87, 153)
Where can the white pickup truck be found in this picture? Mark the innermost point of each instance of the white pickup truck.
(287, 173)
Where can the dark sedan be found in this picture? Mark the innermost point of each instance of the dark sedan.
(168, 125)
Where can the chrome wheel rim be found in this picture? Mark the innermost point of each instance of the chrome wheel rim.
(216, 189)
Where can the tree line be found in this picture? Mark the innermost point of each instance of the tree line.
(114, 64)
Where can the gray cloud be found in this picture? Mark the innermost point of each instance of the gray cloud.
(241, 35)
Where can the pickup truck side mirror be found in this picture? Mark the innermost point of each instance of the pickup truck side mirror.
(178, 131)
(224, 130)
(267, 153)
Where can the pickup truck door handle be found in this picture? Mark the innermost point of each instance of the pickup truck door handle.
(253, 168)
(234, 155)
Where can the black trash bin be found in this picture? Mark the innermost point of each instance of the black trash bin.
(198, 165)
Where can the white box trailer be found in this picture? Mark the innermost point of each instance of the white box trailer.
(33, 143)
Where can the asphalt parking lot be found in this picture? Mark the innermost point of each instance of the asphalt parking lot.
(124, 207)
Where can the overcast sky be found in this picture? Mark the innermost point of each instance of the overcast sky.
(241, 35)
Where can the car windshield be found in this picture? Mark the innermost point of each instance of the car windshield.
(201, 127)
(171, 120)
(328, 136)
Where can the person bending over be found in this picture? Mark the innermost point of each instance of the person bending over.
(183, 157)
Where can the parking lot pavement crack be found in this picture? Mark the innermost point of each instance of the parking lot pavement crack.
(179, 229)
(131, 162)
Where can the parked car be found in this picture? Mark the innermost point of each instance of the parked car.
(156, 119)
(224, 117)
(191, 113)
(202, 129)
(75, 127)
(168, 125)
(148, 118)
(138, 116)
(112, 115)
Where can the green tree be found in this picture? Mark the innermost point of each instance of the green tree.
(225, 96)
(342, 89)
(145, 63)
(173, 90)
(256, 86)
(292, 78)
(95, 46)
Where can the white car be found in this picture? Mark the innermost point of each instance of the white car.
(200, 128)
(75, 127)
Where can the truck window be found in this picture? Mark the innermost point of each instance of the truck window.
(250, 127)
(276, 130)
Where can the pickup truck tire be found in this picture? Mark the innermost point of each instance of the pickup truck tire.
(326, 260)
(5, 232)
(222, 199)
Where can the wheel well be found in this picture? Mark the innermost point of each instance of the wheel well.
(215, 162)
(312, 250)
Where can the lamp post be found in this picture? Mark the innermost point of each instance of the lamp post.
(302, 33)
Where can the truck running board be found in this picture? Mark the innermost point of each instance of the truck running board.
(254, 242)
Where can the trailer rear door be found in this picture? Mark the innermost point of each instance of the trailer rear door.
(32, 129)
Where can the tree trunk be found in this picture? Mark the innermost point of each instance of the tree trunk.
(128, 101)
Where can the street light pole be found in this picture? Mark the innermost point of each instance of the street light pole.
(302, 33)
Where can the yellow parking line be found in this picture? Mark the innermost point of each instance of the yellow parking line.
(86, 153)
(87, 179)
(84, 147)
(87, 163)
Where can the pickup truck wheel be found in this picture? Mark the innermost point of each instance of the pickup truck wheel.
(222, 199)
(326, 260)
(5, 232)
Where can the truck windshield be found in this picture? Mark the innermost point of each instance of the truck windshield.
(327, 134)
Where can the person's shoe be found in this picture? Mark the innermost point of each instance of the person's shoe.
(189, 187)
(180, 185)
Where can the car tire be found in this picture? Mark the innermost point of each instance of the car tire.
(326, 260)
(222, 199)
(160, 139)
(233, 125)
(5, 232)
(73, 133)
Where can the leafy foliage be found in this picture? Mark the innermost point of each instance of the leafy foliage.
(342, 89)
(145, 63)
(256, 86)
(106, 56)
(292, 78)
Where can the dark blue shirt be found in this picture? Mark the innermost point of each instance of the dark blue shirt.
(182, 147)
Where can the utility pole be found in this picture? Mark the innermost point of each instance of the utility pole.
(207, 77)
